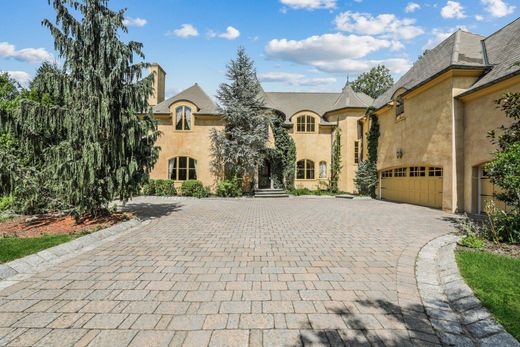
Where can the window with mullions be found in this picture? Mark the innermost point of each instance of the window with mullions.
(399, 106)
(386, 174)
(183, 118)
(400, 172)
(356, 152)
(305, 169)
(305, 124)
(435, 171)
(182, 169)
(417, 171)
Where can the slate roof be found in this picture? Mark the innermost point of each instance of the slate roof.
(194, 94)
(502, 52)
(291, 102)
(287, 102)
(461, 49)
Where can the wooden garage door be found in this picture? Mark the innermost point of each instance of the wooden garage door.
(419, 185)
(487, 191)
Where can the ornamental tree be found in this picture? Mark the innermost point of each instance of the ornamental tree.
(96, 146)
(237, 149)
(374, 82)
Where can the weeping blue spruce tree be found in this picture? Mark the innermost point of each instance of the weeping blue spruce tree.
(102, 149)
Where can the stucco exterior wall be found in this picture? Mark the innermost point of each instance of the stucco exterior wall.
(348, 123)
(480, 116)
(194, 143)
(422, 133)
(315, 146)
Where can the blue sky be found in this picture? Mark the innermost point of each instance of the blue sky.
(297, 45)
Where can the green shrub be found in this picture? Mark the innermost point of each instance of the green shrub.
(194, 188)
(6, 203)
(472, 241)
(366, 178)
(159, 188)
(229, 188)
(301, 191)
(503, 226)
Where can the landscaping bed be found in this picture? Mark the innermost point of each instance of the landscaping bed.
(21, 236)
(495, 280)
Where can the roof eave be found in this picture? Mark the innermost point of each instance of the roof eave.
(490, 83)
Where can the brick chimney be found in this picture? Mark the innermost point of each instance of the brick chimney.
(158, 84)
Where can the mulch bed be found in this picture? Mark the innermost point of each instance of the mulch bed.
(52, 224)
(503, 249)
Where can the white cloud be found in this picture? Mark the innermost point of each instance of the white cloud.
(479, 18)
(230, 34)
(334, 52)
(310, 4)
(412, 7)
(32, 55)
(498, 8)
(136, 22)
(386, 24)
(186, 30)
(439, 35)
(21, 77)
(295, 79)
(453, 9)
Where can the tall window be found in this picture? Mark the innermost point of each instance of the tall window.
(305, 124)
(182, 169)
(305, 169)
(399, 107)
(183, 118)
(356, 152)
(323, 169)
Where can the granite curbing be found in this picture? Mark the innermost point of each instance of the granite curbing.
(457, 316)
(20, 269)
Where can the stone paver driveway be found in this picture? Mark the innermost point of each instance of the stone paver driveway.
(268, 272)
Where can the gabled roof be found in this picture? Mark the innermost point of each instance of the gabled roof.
(194, 94)
(462, 49)
(502, 52)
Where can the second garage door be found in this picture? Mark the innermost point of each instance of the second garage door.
(419, 185)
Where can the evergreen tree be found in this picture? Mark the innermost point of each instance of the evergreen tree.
(283, 156)
(96, 146)
(237, 150)
(374, 82)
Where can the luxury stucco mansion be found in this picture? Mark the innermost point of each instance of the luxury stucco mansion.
(434, 123)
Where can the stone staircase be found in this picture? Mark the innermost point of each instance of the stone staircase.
(270, 193)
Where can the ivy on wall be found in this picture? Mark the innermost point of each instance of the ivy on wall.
(283, 156)
(366, 175)
(372, 136)
(336, 165)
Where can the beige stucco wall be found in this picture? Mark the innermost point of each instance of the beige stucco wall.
(424, 133)
(480, 116)
(315, 146)
(347, 121)
(194, 143)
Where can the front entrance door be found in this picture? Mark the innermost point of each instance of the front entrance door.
(264, 175)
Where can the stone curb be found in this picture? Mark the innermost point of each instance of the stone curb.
(456, 314)
(20, 269)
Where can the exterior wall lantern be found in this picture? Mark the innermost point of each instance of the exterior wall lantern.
(399, 153)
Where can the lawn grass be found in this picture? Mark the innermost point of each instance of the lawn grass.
(13, 247)
(495, 279)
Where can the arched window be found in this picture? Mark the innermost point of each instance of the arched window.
(323, 169)
(305, 169)
(305, 124)
(182, 169)
(183, 118)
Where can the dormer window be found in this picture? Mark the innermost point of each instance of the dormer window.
(305, 124)
(399, 106)
(183, 118)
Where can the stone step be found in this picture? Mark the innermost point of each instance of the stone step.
(270, 193)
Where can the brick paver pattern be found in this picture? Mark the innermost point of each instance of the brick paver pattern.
(255, 272)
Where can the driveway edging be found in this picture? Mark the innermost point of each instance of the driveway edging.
(456, 314)
(22, 268)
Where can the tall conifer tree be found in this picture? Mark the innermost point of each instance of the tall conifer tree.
(101, 148)
(238, 149)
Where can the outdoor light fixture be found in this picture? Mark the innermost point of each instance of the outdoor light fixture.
(399, 153)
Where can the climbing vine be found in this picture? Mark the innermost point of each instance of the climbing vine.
(366, 175)
(283, 155)
(336, 165)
